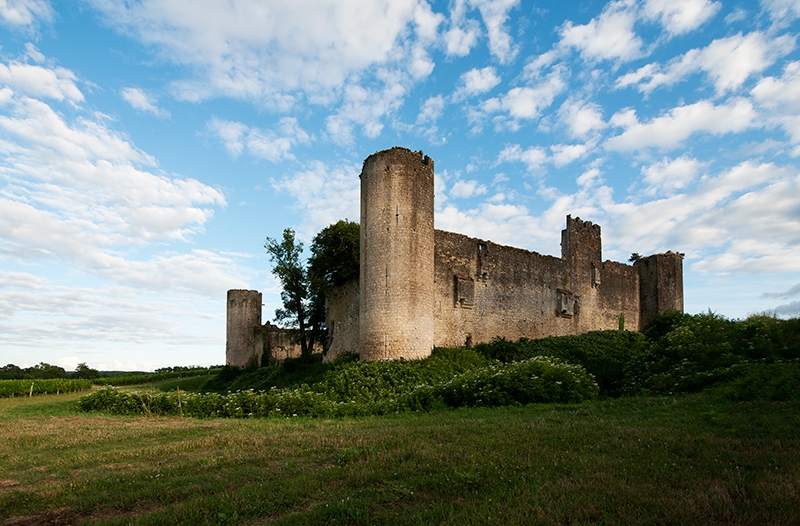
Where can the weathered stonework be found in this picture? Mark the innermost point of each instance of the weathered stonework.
(397, 277)
(244, 345)
(419, 287)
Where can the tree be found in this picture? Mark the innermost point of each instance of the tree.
(334, 261)
(288, 267)
(84, 371)
(45, 370)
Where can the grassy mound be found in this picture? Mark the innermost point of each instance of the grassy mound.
(449, 378)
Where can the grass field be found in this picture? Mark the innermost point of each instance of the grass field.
(663, 460)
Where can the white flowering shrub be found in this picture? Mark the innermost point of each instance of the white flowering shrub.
(448, 379)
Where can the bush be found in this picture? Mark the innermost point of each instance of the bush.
(9, 388)
(452, 378)
(604, 354)
(693, 352)
(762, 381)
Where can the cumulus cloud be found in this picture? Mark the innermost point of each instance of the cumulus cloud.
(40, 81)
(459, 40)
(728, 62)
(278, 54)
(271, 145)
(323, 195)
(534, 157)
(782, 12)
(16, 13)
(476, 81)
(564, 154)
(680, 16)
(466, 189)
(607, 37)
(495, 15)
(79, 192)
(673, 128)
(141, 101)
(581, 118)
(670, 175)
(525, 102)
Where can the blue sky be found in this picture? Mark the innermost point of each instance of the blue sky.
(148, 147)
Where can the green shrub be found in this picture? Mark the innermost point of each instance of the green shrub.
(354, 388)
(604, 354)
(10, 388)
(692, 352)
(538, 379)
(145, 378)
(762, 381)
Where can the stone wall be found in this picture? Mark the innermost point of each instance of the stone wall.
(341, 318)
(661, 285)
(396, 298)
(419, 287)
(244, 344)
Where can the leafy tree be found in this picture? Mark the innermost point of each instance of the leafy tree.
(12, 372)
(288, 267)
(334, 261)
(45, 370)
(84, 371)
(334, 250)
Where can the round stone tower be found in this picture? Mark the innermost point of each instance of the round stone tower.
(397, 293)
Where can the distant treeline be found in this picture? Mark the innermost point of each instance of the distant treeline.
(160, 374)
(46, 371)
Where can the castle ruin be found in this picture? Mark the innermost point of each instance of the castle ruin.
(420, 287)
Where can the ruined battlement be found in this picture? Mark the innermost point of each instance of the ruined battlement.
(419, 287)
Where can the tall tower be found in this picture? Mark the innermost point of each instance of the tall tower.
(244, 346)
(660, 285)
(396, 282)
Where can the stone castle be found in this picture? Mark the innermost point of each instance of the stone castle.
(420, 287)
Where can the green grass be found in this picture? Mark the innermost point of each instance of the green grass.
(695, 459)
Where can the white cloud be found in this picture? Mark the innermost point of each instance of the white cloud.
(564, 154)
(534, 157)
(323, 195)
(141, 101)
(670, 175)
(782, 12)
(677, 125)
(495, 15)
(607, 37)
(582, 118)
(729, 62)
(680, 16)
(274, 53)
(431, 110)
(24, 12)
(39, 81)
(781, 98)
(460, 41)
(265, 144)
(525, 103)
(466, 189)
(365, 107)
(80, 193)
(780, 92)
(476, 81)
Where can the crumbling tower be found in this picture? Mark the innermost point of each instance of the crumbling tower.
(660, 285)
(397, 251)
(244, 343)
